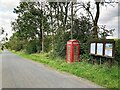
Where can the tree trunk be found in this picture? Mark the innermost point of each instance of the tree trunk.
(42, 36)
(71, 20)
(95, 29)
(66, 12)
(51, 17)
(58, 14)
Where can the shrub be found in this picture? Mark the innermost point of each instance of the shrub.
(117, 50)
(31, 47)
(18, 47)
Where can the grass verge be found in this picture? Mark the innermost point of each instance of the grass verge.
(100, 74)
(0, 51)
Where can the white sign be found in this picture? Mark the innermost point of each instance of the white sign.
(92, 48)
(99, 48)
(108, 49)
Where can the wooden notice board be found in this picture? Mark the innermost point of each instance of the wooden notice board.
(103, 48)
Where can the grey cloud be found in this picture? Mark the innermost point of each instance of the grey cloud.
(107, 14)
(7, 15)
(8, 4)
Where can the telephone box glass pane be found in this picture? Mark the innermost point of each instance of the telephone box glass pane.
(68, 53)
(75, 53)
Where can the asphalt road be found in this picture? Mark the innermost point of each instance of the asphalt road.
(18, 72)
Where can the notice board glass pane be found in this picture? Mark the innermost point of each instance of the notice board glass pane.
(92, 48)
(108, 49)
(100, 49)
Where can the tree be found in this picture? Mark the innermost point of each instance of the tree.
(2, 30)
(4, 38)
(16, 43)
(28, 23)
(87, 7)
(50, 25)
(105, 32)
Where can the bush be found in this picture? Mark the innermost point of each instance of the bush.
(31, 47)
(117, 50)
(60, 44)
(18, 47)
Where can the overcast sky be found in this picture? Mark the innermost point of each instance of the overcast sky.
(108, 16)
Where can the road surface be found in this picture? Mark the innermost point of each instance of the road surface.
(18, 72)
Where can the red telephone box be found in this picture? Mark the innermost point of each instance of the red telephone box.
(72, 51)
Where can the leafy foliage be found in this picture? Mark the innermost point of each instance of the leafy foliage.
(47, 26)
(16, 43)
(31, 47)
(117, 50)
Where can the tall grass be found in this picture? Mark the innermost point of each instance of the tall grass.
(0, 50)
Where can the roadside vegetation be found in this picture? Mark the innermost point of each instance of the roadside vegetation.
(0, 51)
(42, 30)
(100, 74)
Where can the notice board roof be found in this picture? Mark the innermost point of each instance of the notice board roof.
(102, 40)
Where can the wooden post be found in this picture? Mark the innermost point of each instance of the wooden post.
(93, 60)
(100, 60)
(110, 62)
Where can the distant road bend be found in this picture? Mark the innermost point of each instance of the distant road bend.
(18, 72)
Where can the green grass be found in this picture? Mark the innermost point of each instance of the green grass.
(0, 50)
(100, 74)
